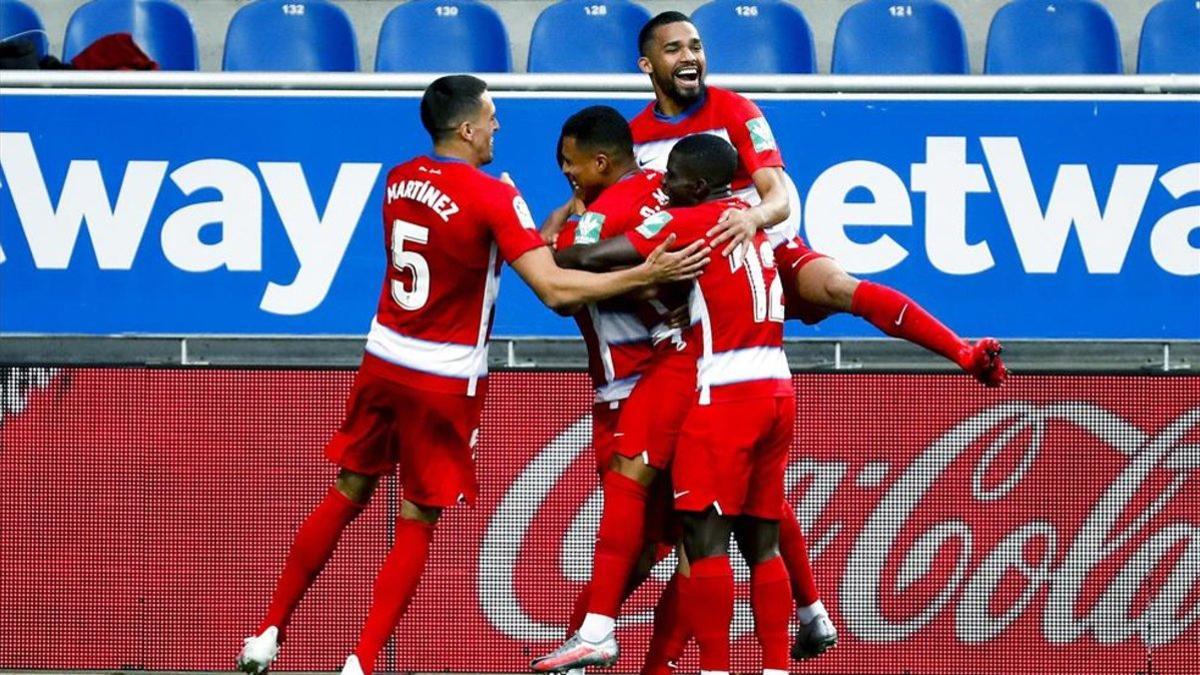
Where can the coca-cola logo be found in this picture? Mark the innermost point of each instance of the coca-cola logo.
(1065, 512)
(17, 384)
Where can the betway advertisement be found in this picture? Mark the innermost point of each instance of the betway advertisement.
(259, 213)
(1048, 527)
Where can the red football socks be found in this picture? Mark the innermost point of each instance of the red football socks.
(671, 633)
(580, 609)
(394, 588)
(793, 549)
(772, 607)
(897, 315)
(311, 549)
(618, 542)
(706, 599)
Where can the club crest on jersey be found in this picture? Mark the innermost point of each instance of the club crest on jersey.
(588, 229)
(523, 215)
(760, 134)
(654, 224)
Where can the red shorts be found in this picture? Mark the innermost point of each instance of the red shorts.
(429, 435)
(661, 524)
(732, 456)
(604, 429)
(790, 257)
(653, 415)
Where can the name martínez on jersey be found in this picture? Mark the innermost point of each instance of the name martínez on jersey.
(423, 192)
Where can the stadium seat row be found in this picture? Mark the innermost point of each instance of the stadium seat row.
(883, 37)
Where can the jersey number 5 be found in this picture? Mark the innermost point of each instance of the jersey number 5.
(415, 297)
(768, 301)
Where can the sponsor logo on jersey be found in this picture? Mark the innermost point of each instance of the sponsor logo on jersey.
(588, 229)
(654, 224)
(760, 134)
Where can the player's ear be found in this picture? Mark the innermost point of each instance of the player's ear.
(644, 65)
(602, 162)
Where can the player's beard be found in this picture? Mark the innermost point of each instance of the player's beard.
(679, 96)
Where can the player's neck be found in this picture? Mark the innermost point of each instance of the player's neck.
(456, 151)
(625, 169)
(724, 192)
(667, 106)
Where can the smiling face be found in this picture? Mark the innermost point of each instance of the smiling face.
(588, 172)
(675, 62)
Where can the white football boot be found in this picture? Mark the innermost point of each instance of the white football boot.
(352, 667)
(259, 651)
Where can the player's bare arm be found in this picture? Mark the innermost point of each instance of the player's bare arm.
(604, 255)
(564, 290)
(738, 225)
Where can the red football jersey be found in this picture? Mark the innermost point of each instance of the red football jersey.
(720, 112)
(736, 119)
(617, 333)
(447, 229)
(737, 307)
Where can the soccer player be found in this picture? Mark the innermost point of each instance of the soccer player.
(732, 450)
(642, 391)
(815, 286)
(416, 400)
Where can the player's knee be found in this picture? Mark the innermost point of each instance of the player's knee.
(420, 513)
(839, 288)
(356, 487)
(705, 535)
(635, 468)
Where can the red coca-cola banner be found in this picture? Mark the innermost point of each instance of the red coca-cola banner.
(1053, 525)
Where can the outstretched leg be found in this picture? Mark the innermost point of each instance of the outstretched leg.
(311, 549)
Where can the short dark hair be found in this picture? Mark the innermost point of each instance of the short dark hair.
(705, 156)
(448, 101)
(600, 128)
(646, 36)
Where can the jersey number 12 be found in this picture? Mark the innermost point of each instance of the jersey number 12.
(768, 300)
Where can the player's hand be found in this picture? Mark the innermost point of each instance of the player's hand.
(557, 219)
(679, 317)
(733, 227)
(982, 361)
(663, 266)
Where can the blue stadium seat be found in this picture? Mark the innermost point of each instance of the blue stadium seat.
(160, 27)
(1171, 38)
(447, 36)
(290, 35)
(914, 37)
(763, 36)
(19, 20)
(584, 36)
(1053, 37)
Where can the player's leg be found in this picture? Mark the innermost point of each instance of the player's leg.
(605, 415)
(817, 633)
(653, 412)
(397, 580)
(757, 530)
(361, 447)
(819, 282)
(706, 589)
(435, 435)
(671, 631)
(770, 600)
